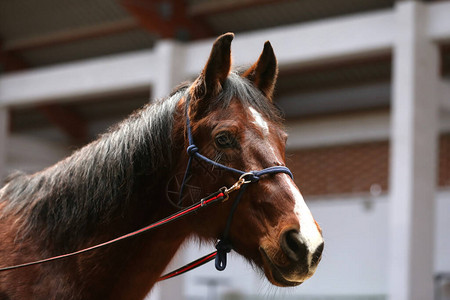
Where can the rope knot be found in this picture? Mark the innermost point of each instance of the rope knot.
(253, 178)
(223, 247)
(192, 149)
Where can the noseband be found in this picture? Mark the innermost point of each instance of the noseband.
(224, 245)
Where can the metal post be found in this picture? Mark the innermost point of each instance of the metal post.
(4, 128)
(413, 155)
(170, 55)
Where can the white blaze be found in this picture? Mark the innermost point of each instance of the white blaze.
(259, 121)
(309, 233)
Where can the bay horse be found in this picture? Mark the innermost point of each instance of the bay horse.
(128, 177)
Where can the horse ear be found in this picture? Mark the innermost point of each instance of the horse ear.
(264, 72)
(214, 74)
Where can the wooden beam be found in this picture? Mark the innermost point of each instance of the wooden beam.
(196, 26)
(148, 16)
(10, 60)
(215, 7)
(167, 19)
(343, 65)
(70, 122)
(445, 59)
(377, 59)
(72, 35)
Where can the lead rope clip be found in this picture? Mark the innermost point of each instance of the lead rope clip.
(237, 185)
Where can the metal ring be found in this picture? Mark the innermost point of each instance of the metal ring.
(243, 177)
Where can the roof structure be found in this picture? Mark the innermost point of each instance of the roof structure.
(37, 33)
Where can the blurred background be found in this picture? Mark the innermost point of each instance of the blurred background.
(364, 86)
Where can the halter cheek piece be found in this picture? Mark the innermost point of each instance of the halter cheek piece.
(224, 245)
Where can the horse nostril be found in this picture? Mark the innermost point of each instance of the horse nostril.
(317, 255)
(292, 246)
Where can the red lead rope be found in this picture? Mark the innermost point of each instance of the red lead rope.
(216, 197)
(196, 263)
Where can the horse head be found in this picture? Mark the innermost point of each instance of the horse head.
(235, 123)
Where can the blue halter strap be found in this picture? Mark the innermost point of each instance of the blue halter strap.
(224, 245)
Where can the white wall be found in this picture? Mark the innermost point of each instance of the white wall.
(354, 261)
(30, 154)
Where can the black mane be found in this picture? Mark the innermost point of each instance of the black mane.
(96, 183)
(237, 87)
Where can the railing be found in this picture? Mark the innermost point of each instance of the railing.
(237, 296)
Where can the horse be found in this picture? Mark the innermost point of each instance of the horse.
(130, 177)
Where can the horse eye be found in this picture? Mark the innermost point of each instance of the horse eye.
(225, 140)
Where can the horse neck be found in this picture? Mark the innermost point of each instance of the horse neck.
(143, 259)
(110, 187)
(113, 185)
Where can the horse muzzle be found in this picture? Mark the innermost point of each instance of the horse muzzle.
(293, 262)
